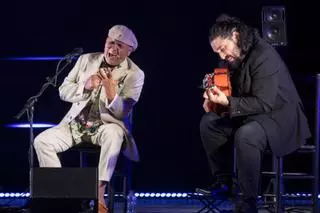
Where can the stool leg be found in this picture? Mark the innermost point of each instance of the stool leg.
(279, 184)
(126, 183)
(83, 159)
(110, 197)
(316, 153)
(234, 161)
(235, 187)
(316, 179)
(125, 203)
(128, 174)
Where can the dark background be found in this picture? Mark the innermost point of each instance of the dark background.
(174, 54)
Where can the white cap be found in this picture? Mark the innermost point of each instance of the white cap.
(123, 34)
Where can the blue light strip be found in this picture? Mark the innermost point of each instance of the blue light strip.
(44, 58)
(13, 194)
(145, 194)
(27, 125)
(162, 195)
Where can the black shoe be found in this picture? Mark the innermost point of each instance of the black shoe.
(216, 189)
(246, 206)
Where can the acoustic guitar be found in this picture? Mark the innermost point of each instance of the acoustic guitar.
(221, 79)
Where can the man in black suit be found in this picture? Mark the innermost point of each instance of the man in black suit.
(264, 110)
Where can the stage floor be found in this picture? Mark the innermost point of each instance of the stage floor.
(157, 205)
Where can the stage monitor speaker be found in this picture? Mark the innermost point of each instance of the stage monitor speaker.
(274, 25)
(62, 189)
(78, 183)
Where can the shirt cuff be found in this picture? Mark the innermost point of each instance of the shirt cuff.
(112, 102)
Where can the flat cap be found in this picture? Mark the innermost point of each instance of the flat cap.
(123, 34)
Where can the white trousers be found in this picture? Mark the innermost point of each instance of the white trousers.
(58, 139)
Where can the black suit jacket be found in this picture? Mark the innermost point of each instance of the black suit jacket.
(264, 91)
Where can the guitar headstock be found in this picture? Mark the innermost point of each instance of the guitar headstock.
(207, 81)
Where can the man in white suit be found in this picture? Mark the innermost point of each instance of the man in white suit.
(103, 88)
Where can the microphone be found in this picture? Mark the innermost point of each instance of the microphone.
(75, 52)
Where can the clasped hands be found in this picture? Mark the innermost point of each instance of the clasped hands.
(104, 77)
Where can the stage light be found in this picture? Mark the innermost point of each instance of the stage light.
(27, 125)
(152, 195)
(36, 58)
(147, 194)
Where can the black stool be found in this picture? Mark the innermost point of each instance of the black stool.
(278, 177)
(122, 171)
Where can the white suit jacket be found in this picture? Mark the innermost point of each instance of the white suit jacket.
(120, 109)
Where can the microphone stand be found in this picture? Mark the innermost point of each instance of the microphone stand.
(29, 109)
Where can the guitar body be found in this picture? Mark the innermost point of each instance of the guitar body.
(221, 79)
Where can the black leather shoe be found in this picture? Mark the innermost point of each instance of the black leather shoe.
(215, 189)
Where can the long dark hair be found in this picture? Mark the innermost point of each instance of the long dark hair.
(224, 27)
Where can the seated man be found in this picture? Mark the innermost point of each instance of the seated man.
(264, 109)
(103, 88)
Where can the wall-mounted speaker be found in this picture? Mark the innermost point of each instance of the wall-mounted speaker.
(274, 25)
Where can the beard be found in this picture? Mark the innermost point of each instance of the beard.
(235, 64)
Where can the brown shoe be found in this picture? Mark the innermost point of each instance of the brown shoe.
(102, 208)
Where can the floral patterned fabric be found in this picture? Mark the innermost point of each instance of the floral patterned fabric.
(88, 121)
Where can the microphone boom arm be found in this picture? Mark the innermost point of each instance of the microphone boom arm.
(50, 81)
(29, 105)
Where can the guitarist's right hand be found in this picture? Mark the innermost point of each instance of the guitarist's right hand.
(207, 105)
(215, 95)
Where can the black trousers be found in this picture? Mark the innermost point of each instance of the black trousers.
(219, 136)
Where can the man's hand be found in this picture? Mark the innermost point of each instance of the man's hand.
(215, 95)
(207, 105)
(93, 82)
(108, 83)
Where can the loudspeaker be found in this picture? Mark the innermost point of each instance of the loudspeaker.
(274, 25)
(62, 189)
(80, 183)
